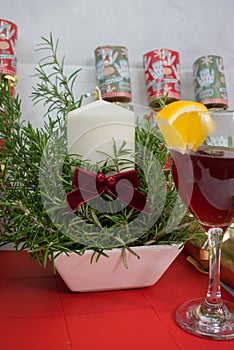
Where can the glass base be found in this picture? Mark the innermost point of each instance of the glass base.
(203, 320)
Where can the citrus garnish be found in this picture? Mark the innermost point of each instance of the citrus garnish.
(183, 125)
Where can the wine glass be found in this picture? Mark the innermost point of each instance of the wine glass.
(205, 181)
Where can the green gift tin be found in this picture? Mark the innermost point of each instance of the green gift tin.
(112, 70)
(209, 82)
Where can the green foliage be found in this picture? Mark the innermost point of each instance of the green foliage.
(37, 173)
(54, 88)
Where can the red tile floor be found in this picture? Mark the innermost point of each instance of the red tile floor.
(37, 311)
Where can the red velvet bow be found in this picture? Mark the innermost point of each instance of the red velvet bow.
(89, 186)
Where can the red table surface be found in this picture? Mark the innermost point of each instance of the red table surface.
(37, 311)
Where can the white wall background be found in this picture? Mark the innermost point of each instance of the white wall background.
(192, 27)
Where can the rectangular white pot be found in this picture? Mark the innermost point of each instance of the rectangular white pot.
(109, 273)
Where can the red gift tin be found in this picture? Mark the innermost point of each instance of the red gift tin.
(8, 37)
(162, 75)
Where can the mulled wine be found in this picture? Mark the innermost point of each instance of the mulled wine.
(205, 182)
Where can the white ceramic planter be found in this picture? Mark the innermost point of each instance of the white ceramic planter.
(80, 275)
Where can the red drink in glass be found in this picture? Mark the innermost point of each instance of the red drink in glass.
(205, 182)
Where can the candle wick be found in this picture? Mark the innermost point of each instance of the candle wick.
(97, 93)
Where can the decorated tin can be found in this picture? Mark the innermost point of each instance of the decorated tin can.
(113, 76)
(209, 82)
(8, 37)
(162, 75)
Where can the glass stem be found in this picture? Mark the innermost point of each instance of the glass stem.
(215, 237)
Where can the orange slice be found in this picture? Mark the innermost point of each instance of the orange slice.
(183, 124)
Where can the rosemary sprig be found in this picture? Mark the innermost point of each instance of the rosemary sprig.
(54, 88)
(159, 103)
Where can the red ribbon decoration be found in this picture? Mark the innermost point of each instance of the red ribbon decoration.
(89, 186)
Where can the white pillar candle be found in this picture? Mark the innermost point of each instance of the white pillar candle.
(93, 127)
